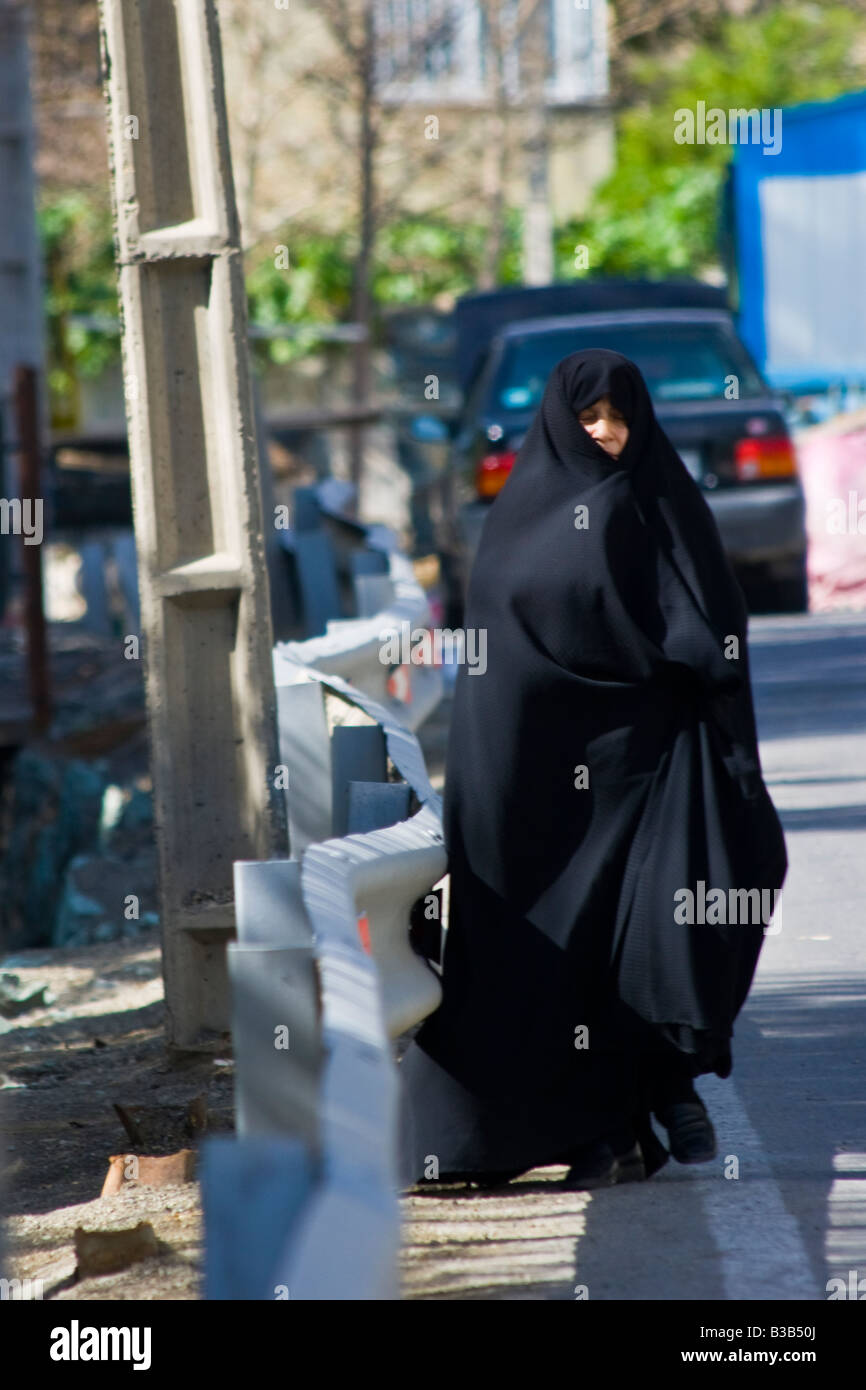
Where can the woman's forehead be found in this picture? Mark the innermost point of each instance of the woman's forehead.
(605, 383)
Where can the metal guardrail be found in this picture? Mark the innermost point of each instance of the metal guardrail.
(324, 978)
(352, 648)
(346, 1243)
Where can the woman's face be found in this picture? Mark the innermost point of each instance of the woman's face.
(606, 424)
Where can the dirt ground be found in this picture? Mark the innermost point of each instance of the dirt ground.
(64, 1067)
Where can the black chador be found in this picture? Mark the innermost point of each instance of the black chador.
(604, 763)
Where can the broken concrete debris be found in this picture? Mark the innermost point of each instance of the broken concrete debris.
(107, 1252)
(16, 998)
(150, 1170)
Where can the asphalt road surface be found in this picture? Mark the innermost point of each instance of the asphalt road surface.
(792, 1115)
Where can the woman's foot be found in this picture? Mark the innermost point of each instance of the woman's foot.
(691, 1136)
(592, 1165)
(628, 1152)
(630, 1165)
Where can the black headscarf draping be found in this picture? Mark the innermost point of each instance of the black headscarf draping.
(605, 759)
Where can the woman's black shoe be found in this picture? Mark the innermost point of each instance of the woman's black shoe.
(628, 1152)
(691, 1136)
(630, 1165)
(654, 1153)
(592, 1165)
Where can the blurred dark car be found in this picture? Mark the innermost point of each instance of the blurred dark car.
(721, 416)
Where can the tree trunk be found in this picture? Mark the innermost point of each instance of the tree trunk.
(537, 221)
(361, 294)
(495, 164)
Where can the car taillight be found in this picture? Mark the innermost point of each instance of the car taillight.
(770, 456)
(492, 472)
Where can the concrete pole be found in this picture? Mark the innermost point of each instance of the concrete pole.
(198, 518)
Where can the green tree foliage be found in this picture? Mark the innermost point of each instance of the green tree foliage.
(657, 214)
(416, 260)
(419, 258)
(314, 288)
(79, 278)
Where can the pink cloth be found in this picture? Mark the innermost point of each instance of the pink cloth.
(833, 470)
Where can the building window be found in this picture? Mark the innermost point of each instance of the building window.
(580, 70)
(435, 50)
(429, 49)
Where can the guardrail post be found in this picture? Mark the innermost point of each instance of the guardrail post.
(315, 563)
(357, 755)
(255, 1195)
(275, 1015)
(196, 491)
(373, 805)
(305, 751)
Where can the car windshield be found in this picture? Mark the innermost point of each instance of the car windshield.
(679, 361)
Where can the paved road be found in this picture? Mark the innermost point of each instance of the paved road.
(794, 1112)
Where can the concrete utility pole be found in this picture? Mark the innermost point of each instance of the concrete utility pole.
(198, 519)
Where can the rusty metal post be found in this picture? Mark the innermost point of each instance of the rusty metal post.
(22, 336)
(198, 521)
(26, 396)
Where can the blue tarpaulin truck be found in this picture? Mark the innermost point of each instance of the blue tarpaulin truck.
(796, 222)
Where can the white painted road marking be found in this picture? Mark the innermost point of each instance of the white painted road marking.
(758, 1240)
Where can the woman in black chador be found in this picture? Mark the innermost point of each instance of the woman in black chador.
(603, 806)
